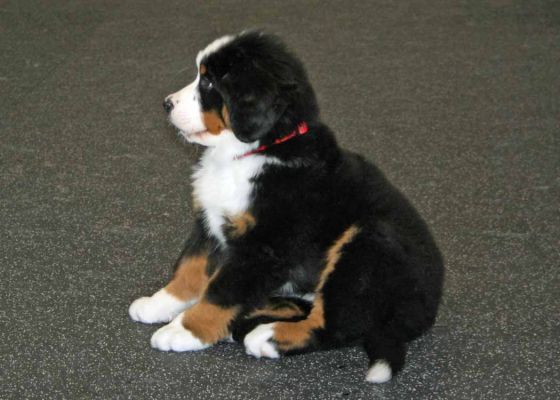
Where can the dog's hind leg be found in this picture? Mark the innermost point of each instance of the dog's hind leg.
(276, 309)
(367, 295)
(336, 317)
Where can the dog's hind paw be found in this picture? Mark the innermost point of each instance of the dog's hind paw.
(258, 344)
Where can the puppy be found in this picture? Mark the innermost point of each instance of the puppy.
(297, 244)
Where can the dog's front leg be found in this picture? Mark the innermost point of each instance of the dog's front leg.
(186, 286)
(243, 283)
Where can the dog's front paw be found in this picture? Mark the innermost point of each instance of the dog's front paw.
(161, 307)
(174, 337)
(258, 342)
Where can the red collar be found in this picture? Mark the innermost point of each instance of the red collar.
(302, 129)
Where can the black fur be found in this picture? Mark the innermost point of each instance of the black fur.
(264, 87)
(386, 287)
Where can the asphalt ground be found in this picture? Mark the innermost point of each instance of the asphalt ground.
(457, 101)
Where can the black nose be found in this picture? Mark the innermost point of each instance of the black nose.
(168, 105)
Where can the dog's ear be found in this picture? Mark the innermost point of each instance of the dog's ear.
(252, 116)
(252, 98)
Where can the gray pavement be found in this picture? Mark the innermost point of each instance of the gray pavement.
(457, 101)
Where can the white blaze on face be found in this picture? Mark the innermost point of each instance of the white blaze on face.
(187, 113)
(187, 116)
(213, 47)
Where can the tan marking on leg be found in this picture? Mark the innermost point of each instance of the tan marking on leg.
(283, 310)
(333, 254)
(240, 224)
(209, 322)
(190, 278)
(296, 335)
(213, 122)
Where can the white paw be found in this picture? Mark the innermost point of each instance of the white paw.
(380, 372)
(174, 337)
(257, 342)
(161, 307)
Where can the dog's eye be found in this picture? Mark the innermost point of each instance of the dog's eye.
(206, 84)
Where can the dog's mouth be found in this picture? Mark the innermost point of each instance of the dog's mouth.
(185, 132)
(192, 137)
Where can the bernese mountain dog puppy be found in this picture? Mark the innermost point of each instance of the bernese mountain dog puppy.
(297, 244)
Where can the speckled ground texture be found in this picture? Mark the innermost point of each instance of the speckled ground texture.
(457, 101)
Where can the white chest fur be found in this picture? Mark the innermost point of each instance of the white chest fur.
(224, 187)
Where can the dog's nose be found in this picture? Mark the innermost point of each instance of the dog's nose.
(167, 105)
